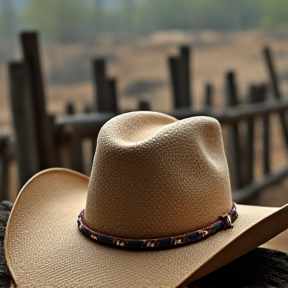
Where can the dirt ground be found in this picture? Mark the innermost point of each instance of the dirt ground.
(145, 58)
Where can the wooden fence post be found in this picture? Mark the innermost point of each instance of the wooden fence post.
(4, 167)
(266, 132)
(185, 76)
(208, 95)
(24, 121)
(44, 138)
(112, 92)
(175, 81)
(275, 87)
(233, 139)
(179, 67)
(75, 152)
(105, 91)
(144, 106)
(250, 149)
(271, 71)
(100, 82)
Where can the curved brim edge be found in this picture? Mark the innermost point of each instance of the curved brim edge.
(31, 249)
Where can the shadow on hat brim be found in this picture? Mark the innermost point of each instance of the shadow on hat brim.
(43, 246)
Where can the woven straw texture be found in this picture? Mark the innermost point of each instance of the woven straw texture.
(44, 248)
(154, 176)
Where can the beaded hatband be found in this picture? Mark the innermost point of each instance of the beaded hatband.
(223, 222)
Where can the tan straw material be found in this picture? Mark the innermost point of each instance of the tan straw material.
(152, 176)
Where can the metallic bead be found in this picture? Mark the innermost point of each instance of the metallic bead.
(120, 243)
(150, 244)
(203, 233)
(226, 220)
(178, 241)
(94, 237)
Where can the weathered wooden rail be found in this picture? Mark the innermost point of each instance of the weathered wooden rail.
(79, 125)
(41, 138)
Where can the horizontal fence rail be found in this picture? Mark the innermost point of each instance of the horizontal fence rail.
(250, 190)
(71, 128)
(88, 125)
(234, 114)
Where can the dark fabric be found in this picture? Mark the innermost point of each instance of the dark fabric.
(258, 268)
(5, 278)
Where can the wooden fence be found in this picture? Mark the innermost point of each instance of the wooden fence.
(45, 141)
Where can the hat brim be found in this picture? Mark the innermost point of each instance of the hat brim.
(43, 246)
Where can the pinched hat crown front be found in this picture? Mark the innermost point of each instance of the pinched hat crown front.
(154, 176)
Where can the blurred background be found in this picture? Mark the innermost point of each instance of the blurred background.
(136, 36)
(136, 39)
(225, 40)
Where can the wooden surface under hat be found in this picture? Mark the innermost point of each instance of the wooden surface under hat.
(44, 248)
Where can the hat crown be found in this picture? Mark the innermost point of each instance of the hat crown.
(154, 176)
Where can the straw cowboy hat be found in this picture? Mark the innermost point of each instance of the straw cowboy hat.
(158, 211)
